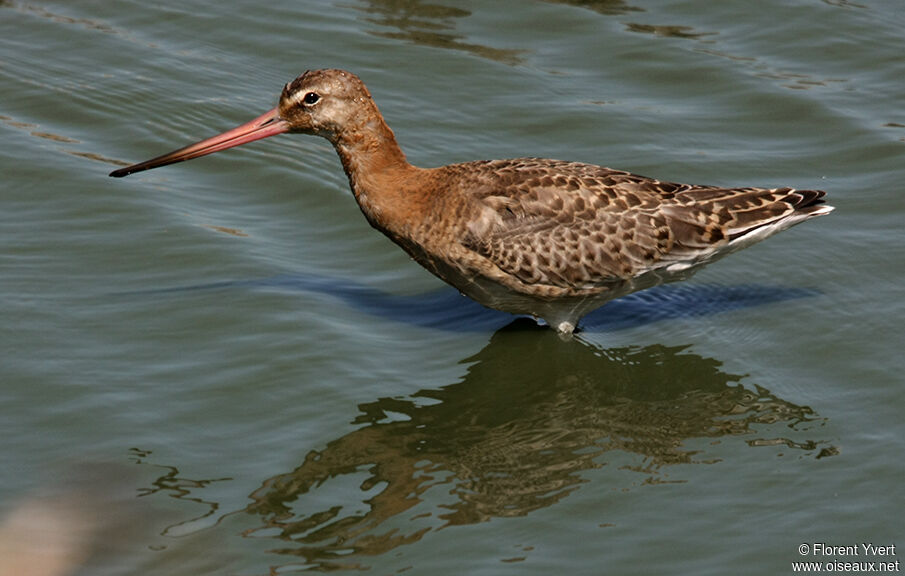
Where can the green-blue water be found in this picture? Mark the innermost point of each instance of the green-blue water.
(231, 362)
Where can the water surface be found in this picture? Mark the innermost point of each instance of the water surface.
(260, 383)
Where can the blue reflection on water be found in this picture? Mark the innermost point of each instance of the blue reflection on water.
(446, 309)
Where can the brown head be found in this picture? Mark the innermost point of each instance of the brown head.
(326, 103)
(330, 103)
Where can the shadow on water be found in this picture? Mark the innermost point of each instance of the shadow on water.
(520, 432)
(446, 309)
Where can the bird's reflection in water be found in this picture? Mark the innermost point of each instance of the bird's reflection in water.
(530, 420)
(532, 415)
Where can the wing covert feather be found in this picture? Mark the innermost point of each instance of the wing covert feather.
(576, 225)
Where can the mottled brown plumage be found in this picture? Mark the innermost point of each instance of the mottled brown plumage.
(534, 236)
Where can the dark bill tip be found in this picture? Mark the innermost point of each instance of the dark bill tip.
(264, 126)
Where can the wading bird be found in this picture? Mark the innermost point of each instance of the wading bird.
(547, 238)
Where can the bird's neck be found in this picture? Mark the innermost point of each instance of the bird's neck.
(381, 178)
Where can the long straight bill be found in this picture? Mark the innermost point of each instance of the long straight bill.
(265, 125)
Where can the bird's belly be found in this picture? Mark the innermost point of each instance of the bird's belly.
(559, 306)
(492, 288)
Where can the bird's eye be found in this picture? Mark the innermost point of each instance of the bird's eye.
(311, 98)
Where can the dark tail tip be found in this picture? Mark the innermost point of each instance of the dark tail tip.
(809, 198)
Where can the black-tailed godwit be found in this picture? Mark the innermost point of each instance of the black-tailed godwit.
(547, 238)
